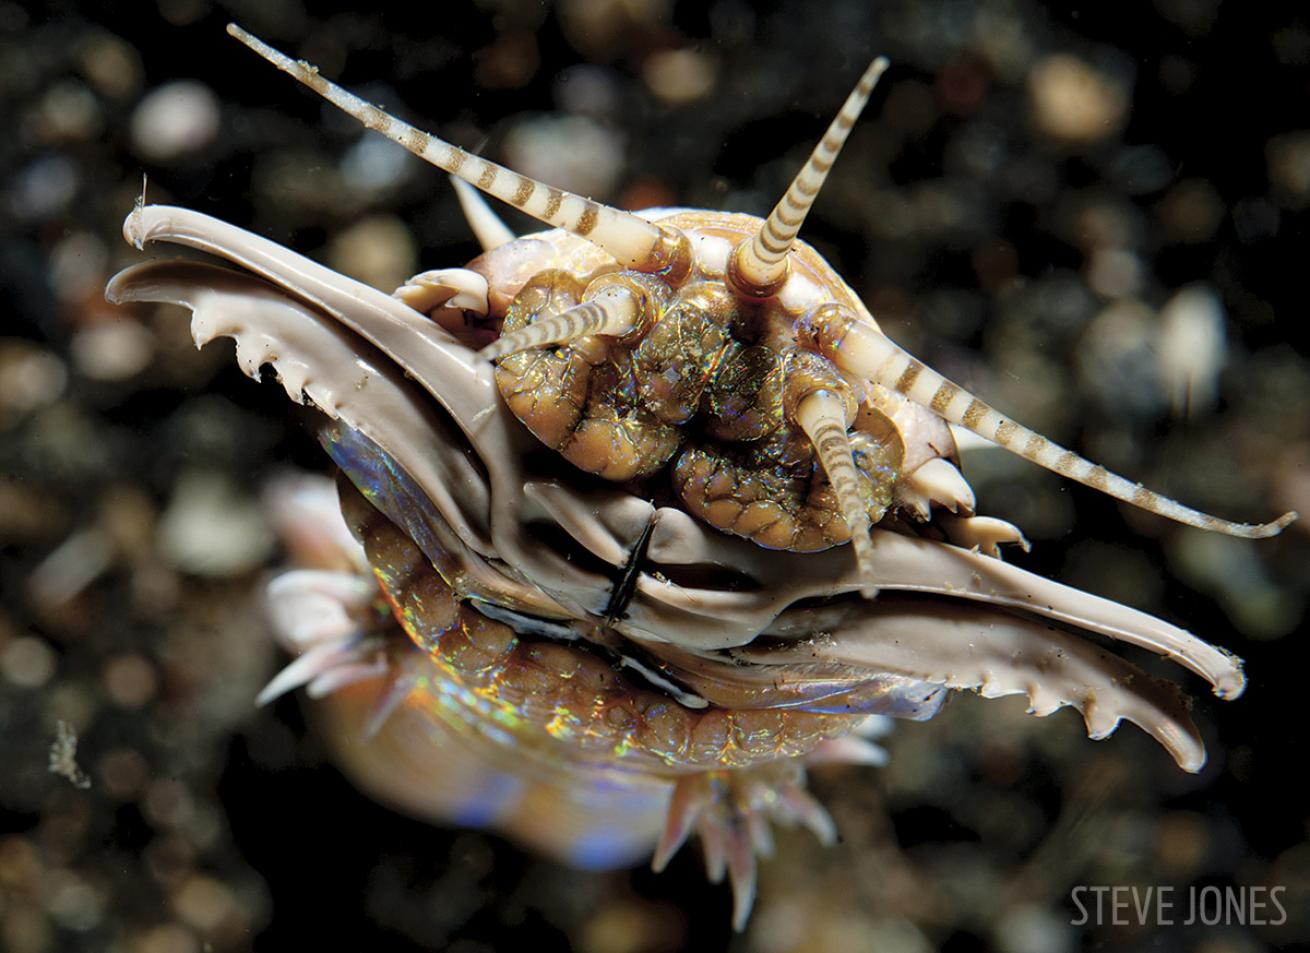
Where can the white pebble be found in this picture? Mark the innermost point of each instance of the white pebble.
(679, 76)
(27, 662)
(177, 118)
(1072, 101)
(30, 378)
(209, 530)
(374, 164)
(112, 350)
(1193, 349)
(570, 152)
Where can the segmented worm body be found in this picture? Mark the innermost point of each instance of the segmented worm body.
(688, 524)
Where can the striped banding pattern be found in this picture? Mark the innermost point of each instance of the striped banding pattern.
(859, 348)
(822, 415)
(634, 242)
(614, 310)
(761, 262)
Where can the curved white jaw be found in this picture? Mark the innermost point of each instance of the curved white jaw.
(469, 480)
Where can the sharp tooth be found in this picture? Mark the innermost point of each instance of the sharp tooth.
(445, 287)
(940, 482)
(1101, 720)
(984, 533)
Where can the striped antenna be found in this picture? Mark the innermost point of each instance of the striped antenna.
(859, 348)
(759, 264)
(615, 310)
(822, 415)
(634, 242)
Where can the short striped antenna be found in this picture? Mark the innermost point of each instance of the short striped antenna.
(632, 241)
(758, 266)
(614, 311)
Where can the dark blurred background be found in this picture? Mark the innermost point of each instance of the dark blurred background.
(1093, 214)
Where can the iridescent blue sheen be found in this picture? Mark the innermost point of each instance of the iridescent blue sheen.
(386, 485)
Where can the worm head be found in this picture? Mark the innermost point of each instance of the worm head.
(720, 355)
(657, 433)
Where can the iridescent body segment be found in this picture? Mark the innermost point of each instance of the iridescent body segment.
(550, 700)
(602, 481)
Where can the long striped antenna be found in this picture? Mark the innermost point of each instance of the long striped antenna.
(634, 242)
(859, 348)
(758, 266)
